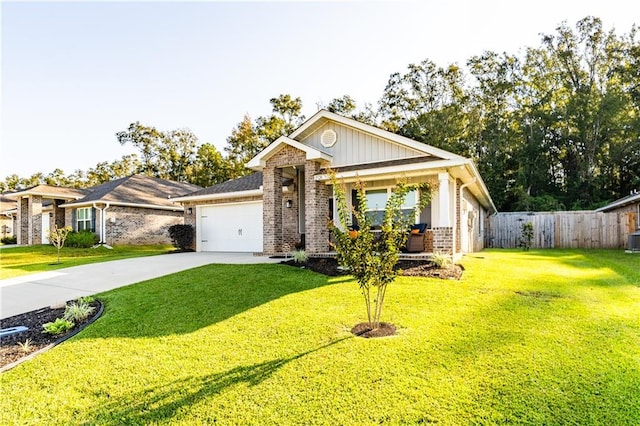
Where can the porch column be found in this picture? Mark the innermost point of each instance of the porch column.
(316, 210)
(22, 221)
(272, 210)
(35, 220)
(444, 199)
(443, 231)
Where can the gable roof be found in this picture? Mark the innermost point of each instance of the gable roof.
(245, 186)
(629, 199)
(49, 191)
(320, 118)
(136, 191)
(258, 162)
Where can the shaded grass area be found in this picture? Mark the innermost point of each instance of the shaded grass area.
(16, 261)
(543, 337)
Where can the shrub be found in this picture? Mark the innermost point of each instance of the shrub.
(82, 239)
(9, 240)
(78, 311)
(26, 347)
(300, 256)
(181, 236)
(526, 235)
(59, 326)
(441, 260)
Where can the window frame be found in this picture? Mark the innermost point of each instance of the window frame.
(388, 191)
(87, 219)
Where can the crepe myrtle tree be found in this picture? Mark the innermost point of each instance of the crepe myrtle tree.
(371, 257)
(57, 237)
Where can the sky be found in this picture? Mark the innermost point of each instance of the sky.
(75, 73)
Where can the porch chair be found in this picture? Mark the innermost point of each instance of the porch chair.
(415, 239)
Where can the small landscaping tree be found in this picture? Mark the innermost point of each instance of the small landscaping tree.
(526, 235)
(57, 237)
(371, 257)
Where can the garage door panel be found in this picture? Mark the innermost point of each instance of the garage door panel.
(231, 227)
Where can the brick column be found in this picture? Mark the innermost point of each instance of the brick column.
(316, 210)
(35, 219)
(272, 210)
(22, 225)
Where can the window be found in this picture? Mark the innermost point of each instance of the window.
(83, 219)
(377, 201)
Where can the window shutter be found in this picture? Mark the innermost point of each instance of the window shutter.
(74, 221)
(93, 220)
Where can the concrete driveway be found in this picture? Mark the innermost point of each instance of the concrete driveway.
(35, 291)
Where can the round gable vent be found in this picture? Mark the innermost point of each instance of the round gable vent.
(328, 138)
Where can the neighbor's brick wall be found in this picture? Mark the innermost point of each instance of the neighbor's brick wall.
(58, 214)
(23, 221)
(35, 220)
(139, 226)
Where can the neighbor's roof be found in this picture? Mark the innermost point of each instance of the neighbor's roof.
(136, 191)
(629, 199)
(49, 191)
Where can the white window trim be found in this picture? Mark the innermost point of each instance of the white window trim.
(85, 220)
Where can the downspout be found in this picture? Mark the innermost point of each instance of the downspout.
(103, 225)
(462, 187)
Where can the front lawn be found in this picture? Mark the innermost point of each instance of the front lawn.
(16, 261)
(539, 337)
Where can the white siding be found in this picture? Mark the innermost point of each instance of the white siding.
(356, 147)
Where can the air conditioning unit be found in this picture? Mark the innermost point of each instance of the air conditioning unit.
(634, 242)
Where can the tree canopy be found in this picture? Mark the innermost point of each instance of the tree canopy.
(554, 127)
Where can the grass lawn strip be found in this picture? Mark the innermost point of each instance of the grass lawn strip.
(543, 337)
(17, 261)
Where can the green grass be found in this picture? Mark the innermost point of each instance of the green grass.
(542, 337)
(16, 261)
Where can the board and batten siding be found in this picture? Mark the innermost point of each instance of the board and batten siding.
(576, 229)
(357, 147)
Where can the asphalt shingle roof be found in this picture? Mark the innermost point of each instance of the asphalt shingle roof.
(138, 189)
(245, 183)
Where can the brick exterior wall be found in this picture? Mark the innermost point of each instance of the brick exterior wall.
(58, 214)
(23, 221)
(35, 219)
(272, 210)
(428, 241)
(443, 240)
(316, 211)
(280, 224)
(138, 226)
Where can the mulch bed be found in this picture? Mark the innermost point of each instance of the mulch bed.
(364, 330)
(11, 351)
(413, 268)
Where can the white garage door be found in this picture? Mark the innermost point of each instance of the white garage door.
(231, 227)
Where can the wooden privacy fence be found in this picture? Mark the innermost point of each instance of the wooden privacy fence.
(577, 229)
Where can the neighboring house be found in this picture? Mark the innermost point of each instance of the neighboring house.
(628, 204)
(289, 201)
(133, 210)
(7, 216)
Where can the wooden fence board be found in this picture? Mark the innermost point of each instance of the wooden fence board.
(580, 229)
